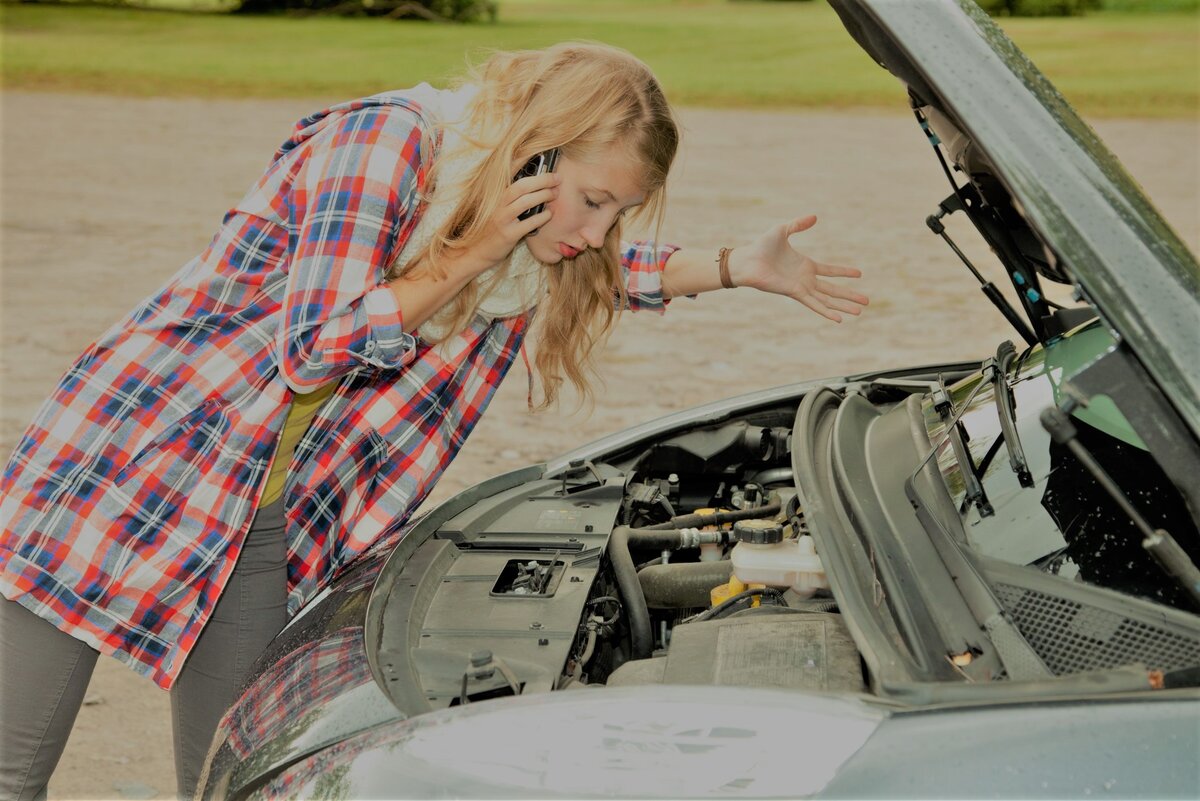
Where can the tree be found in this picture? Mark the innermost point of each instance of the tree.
(434, 10)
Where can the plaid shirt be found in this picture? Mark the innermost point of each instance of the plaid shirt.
(124, 506)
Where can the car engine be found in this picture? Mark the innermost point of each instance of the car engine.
(684, 562)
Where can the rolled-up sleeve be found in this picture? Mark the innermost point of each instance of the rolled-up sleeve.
(642, 264)
(351, 197)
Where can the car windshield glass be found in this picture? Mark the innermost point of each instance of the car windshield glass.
(1066, 524)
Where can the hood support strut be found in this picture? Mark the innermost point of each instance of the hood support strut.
(934, 221)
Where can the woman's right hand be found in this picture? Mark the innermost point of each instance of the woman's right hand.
(505, 231)
(419, 297)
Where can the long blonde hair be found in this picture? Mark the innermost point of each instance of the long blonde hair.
(582, 98)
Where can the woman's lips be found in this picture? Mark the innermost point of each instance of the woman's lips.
(567, 251)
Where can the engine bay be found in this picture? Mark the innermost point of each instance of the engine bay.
(684, 562)
(804, 541)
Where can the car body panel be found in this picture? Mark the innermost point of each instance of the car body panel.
(666, 742)
(312, 688)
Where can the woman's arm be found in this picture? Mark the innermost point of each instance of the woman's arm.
(769, 264)
(352, 194)
(352, 197)
(691, 271)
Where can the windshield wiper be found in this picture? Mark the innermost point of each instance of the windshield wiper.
(1173, 560)
(1015, 653)
(1007, 411)
(945, 409)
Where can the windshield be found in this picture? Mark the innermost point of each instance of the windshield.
(1065, 524)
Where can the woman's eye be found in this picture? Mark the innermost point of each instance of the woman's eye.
(589, 203)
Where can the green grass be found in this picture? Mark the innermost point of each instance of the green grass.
(1148, 6)
(707, 52)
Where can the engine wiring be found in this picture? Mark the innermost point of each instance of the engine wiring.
(733, 602)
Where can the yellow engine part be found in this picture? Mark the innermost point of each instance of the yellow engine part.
(723, 592)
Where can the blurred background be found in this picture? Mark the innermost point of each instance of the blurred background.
(1109, 57)
(128, 128)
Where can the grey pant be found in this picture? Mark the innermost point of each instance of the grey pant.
(44, 673)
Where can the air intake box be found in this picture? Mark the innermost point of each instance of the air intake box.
(808, 650)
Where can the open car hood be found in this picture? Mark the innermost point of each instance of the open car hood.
(1031, 156)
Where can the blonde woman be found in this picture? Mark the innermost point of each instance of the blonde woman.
(287, 398)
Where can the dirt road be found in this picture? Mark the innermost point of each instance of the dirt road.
(103, 198)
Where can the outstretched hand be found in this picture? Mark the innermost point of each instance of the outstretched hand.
(771, 264)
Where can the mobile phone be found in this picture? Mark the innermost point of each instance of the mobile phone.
(541, 163)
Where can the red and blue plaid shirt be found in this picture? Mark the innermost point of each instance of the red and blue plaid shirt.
(124, 506)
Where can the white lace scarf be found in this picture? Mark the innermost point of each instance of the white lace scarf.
(506, 290)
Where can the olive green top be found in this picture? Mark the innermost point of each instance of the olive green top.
(304, 408)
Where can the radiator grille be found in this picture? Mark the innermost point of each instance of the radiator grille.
(1072, 638)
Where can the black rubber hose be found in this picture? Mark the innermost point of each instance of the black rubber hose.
(640, 634)
(699, 521)
(682, 585)
(661, 535)
(654, 538)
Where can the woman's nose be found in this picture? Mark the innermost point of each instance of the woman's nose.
(593, 235)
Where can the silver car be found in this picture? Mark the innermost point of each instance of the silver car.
(963, 580)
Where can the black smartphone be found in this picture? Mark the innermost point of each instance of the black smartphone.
(541, 163)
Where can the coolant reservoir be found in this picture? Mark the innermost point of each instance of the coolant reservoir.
(764, 557)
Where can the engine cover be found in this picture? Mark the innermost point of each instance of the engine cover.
(802, 650)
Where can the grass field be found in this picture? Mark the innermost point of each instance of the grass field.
(707, 52)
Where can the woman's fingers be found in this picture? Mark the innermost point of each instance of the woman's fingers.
(844, 293)
(841, 305)
(782, 269)
(533, 183)
(530, 224)
(505, 228)
(838, 271)
(529, 193)
(813, 302)
(523, 195)
(526, 202)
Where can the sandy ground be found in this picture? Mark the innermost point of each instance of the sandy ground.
(103, 198)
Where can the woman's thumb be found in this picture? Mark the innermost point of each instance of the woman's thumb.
(801, 224)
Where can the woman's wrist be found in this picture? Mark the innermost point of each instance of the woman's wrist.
(692, 271)
(463, 266)
(738, 264)
(723, 268)
(420, 296)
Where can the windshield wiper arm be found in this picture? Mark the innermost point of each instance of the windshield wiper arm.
(944, 406)
(1007, 412)
(1173, 560)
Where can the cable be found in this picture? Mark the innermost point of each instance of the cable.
(734, 600)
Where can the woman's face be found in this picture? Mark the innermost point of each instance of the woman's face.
(591, 198)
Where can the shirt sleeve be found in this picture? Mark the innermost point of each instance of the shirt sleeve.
(347, 205)
(642, 264)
